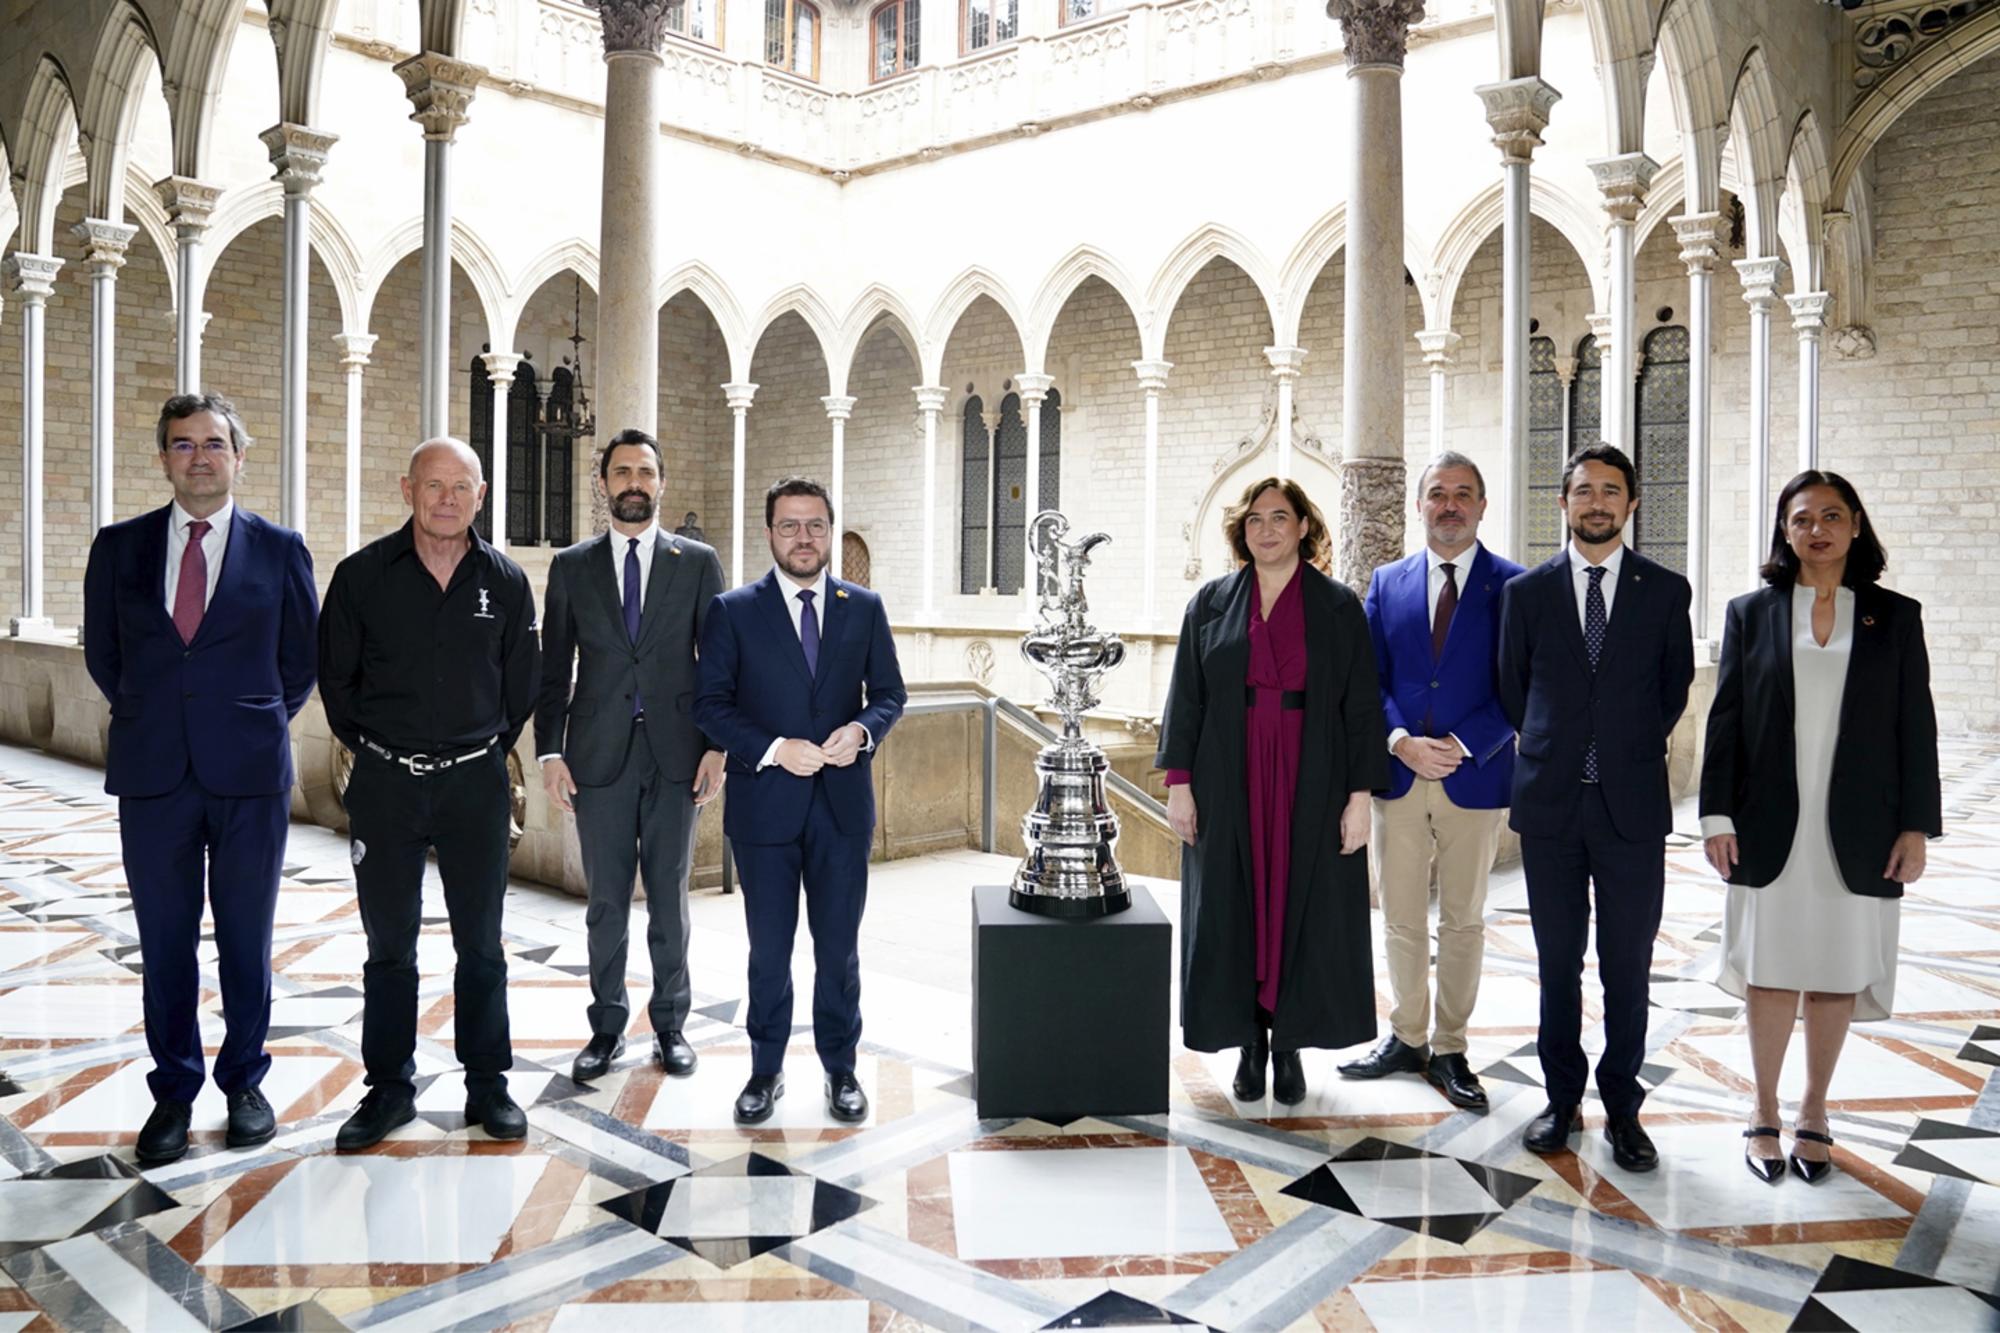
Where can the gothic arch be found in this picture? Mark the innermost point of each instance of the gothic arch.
(1802, 216)
(1692, 60)
(803, 301)
(468, 251)
(196, 66)
(111, 105)
(1884, 104)
(875, 303)
(1461, 240)
(48, 126)
(245, 206)
(1181, 265)
(1621, 38)
(1077, 267)
(1315, 250)
(1757, 142)
(697, 277)
(951, 306)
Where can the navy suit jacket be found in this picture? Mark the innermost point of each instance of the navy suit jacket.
(1629, 704)
(754, 688)
(1457, 689)
(234, 689)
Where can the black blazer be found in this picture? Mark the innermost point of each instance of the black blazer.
(1629, 704)
(1885, 760)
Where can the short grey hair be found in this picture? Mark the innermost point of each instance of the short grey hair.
(184, 405)
(453, 443)
(1452, 458)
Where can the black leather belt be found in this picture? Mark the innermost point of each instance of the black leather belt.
(1290, 700)
(423, 765)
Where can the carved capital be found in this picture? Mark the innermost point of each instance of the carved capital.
(1376, 33)
(1566, 368)
(189, 204)
(839, 407)
(1599, 324)
(33, 277)
(104, 243)
(1702, 236)
(739, 396)
(1518, 112)
(1760, 279)
(1809, 313)
(931, 397)
(299, 154)
(1286, 362)
(1438, 346)
(1034, 389)
(1856, 342)
(1152, 374)
(441, 89)
(633, 27)
(500, 366)
(354, 349)
(1623, 180)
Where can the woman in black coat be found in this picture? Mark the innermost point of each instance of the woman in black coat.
(1273, 739)
(1819, 788)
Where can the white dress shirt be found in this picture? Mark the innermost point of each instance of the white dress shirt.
(1461, 565)
(213, 544)
(1579, 573)
(797, 609)
(620, 544)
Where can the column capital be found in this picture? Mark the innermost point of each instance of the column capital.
(440, 88)
(189, 204)
(633, 27)
(1566, 368)
(1517, 111)
(1854, 342)
(1152, 374)
(931, 397)
(500, 366)
(839, 407)
(739, 396)
(1286, 362)
(1702, 236)
(299, 154)
(33, 276)
(1809, 311)
(104, 243)
(354, 349)
(1599, 324)
(1438, 346)
(1760, 278)
(1376, 33)
(1623, 181)
(1034, 389)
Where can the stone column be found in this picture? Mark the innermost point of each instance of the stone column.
(990, 419)
(1438, 347)
(189, 204)
(440, 89)
(628, 311)
(500, 368)
(1517, 111)
(739, 396)
(33, 277)
(1760, 278)
(1566, 368)
(930, 401)
(1285, 365)
(1702, 236)
(1034, 389)
(1152, 379)
(299, 154)
(104, 246)
(1809, 322)
(354, 350)
(1377, 34)
(838, 409)
(1622, 180)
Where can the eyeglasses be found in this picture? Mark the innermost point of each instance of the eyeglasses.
(187, 448)
(791, 527)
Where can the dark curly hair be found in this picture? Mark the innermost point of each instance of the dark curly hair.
(1313, 542)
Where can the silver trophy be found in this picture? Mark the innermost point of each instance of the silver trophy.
(1070, 869)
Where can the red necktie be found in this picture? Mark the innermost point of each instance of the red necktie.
(191, 594)
(1447, 603)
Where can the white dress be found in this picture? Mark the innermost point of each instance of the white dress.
(1804, 931)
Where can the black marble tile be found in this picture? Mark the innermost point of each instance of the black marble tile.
(1114, 1309)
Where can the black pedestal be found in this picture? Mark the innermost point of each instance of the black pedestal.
(1069, 1018)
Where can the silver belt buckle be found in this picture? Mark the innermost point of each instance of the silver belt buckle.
(421, 765)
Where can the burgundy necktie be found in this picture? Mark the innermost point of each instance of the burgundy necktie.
(1447, 603)
(191, 593)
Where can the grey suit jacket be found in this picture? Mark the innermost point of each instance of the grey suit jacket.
(589, 721)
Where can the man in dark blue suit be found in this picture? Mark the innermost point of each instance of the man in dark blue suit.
(1435, 620)
(199, 624)
(799, 684)
(1596, 656)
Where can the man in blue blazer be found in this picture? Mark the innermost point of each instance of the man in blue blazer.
(1596, 656)
(1435, 619)
(199, 623)
(799, 684)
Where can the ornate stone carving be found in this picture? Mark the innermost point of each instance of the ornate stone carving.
(890, 101)
(1204, 13)
(1856, 342)
(1091, 44)
(299, 154)
(1371, 517)
(441, 89)
(189, 204)
(1375, 32)
(1517, 111)
(32, 276)
(1809, 312)
(985, 74)
(633, 27)
(979, 661)
(1702, 236)
(104, 243)
(1883, 41)
(1623, 180)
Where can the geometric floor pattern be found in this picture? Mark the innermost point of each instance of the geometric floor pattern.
(636, 1203)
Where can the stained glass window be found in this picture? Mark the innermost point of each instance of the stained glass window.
(1661, 454)
(1586, 395)
(524, 460)
(1546, 453)
(972, 508)
(1010, 501)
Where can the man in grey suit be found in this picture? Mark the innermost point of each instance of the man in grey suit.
(618, 747)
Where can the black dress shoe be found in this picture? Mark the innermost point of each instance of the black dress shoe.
(1770, 1170)
(672, 1053)
(759, 1098)
(164, 1136)
(1549, 1132)
(380, 1111)
(595, 1059)
(1452, 1076)
(1630, 1147)
(500, 1115)
(1288, 1078)
(845, 1101)
(251, 1119)
(1392, 1056)
(1249, 1084)
(1808, 1170)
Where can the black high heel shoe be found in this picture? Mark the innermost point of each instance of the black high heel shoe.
(1770, 1170)
(1249, 1085)
(1810, 1171)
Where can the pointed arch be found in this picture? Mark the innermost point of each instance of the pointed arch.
(1076, 268)
(801, 300)
(196, 66)
(111, 103)
(1316, 250)
(1518, 26)
(1579, 223)
(875, 303)
(48, 130)
(573, 255)
(1692, 60)
(468, 250)
(723, 307)
(1181, 265)
(1757, 143)
(958, 295)
(245, 206)
(149, 215)
(1803, 216)
(1621, 38)
(1884, 104)
(1665, 197)
(301, 29)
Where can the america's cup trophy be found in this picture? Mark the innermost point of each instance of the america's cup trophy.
(1070, 869)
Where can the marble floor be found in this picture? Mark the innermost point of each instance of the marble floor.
(637, 1204)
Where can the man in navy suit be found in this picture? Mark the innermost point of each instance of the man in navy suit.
(799, 684)
(1596, 656)
(1435, 619)
(199, 621)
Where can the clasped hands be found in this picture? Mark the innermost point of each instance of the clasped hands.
(1431, 759)
(802, 759)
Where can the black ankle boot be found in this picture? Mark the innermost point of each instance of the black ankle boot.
(1249, 1085)
(1288, 1078)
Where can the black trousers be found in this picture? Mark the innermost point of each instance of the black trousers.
(396, 818)
(1630, 882)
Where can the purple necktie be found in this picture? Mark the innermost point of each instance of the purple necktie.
(809, 632)
(632, 606)
(191, 593)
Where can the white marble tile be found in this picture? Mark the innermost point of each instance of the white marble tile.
(1428, 1186)
(125, 1292)
(1930, 989)
(1866, 1070)
(705, 1099)
(21, 947)
(383, 1210)
(446, 1093)
(122, 1101)
(712, 1207)
(1972, 1255)
(67, 844)
(1327, 1093)
(96, 906)
(314, 1011)
(51, 1209)
(296, 906)
(71, 1011)
(1911, 1309)
(549, 1013)
(715, 1317)
(1601, 1302)
(344, 954)
(1921, 931)
(1975, 1157)
(1083, 1202)
(13, 1321)
(1701, 1182)
(1505, 1001)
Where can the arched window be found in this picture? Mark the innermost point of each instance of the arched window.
(698, 19)
(1546, 453)
(1586, 395)
(976, 460)
(894, 29)
(481, 416)
(987, 23)
(791, 37)
(854, 560)
(1010, 500)
(1661, 452)
(1076, 11)
(558, 456)
(524, 459)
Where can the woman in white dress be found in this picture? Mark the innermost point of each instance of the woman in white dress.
(1818, 790)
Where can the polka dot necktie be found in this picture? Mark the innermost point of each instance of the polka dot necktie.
(1594, 621)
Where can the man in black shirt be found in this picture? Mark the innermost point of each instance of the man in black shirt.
(428, 668)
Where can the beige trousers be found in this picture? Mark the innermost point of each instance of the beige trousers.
(1410, 833)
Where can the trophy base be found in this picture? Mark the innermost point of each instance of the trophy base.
(1070, 909)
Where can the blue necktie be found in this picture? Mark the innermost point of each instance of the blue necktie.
(632, 606)
(809, 632)
(1594, 621)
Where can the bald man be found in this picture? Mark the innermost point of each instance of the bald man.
(428, 664)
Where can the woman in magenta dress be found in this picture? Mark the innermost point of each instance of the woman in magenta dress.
(1272, 740)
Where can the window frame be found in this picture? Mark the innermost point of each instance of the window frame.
(905, 63)
(790, 31)
(965, 46)
(1063, 19)
(720, 9)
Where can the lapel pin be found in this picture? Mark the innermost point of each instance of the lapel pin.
(1868, 620)
(673, 548)
(841, 593)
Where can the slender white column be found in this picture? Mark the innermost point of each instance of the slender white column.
(1809, 322)
(440, 89)
(354, 350)
(1438, 346)
(990, 418)
(104, 251)
(930, 401)
(500, 374)
(299, 154)
(189, 205)
(33, 278)
(1152, 379)
(1285, 364)
(1702, 236)
(1566, 368)
(1760, 278)
(739, 396)
(1622, 180)
(630, 217)
(1034, 389)
(838, 409)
